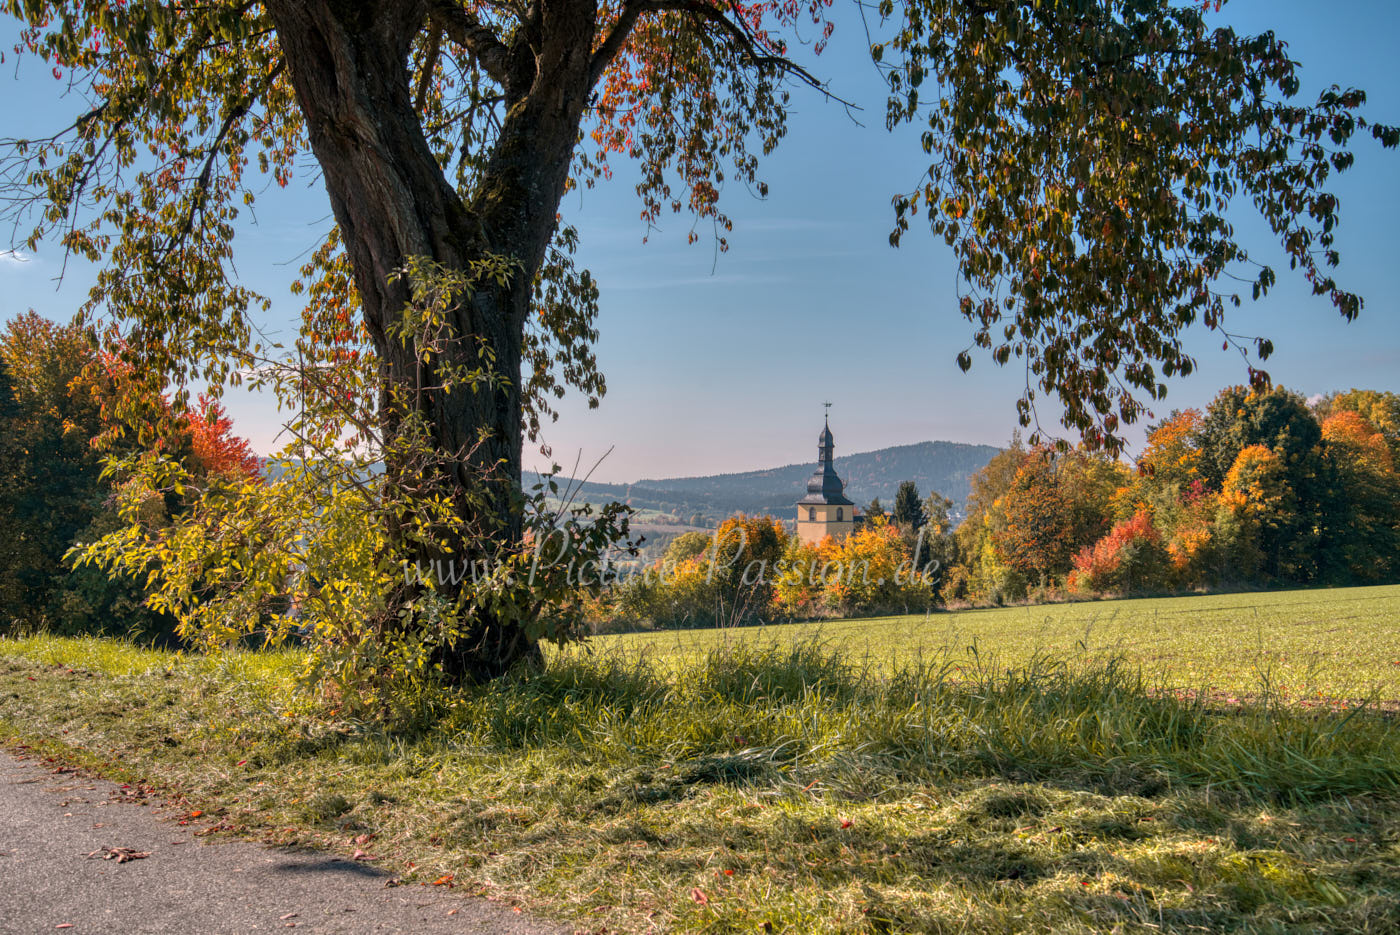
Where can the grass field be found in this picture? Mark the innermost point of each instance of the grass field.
(1336, 644)
(870, 777)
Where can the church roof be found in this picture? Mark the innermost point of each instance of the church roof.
(824, 486)
(818, 499)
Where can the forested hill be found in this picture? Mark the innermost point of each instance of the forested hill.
(943, 466)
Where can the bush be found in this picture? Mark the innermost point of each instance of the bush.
(1130, 558)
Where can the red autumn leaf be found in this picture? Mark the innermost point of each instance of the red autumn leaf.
(699, 896)
(444, 880)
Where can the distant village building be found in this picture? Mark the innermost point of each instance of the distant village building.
(825, 511)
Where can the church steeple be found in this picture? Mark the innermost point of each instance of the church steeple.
(825, 444)
(825, 511)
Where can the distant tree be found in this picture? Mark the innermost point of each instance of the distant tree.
(1280, 421)
(1038, 539)
(53, 486)
(1380, 409)
(937, 511)
(745, 552)
(799, 589)
(1091, 483)
(60, 420)
(1258, 510)
(908, 514)
(686, 546)
(14, 457)
(1193, 538)
(872, 573)
(213, 444)
(979, 573)
(874, 510)
(1362, 511)
(1239, 417)
(939, 542)
(1129, 558)
(1172, 456)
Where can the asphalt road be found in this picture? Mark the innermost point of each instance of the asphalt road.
(50, 822)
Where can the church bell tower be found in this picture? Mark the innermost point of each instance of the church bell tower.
(825, 510)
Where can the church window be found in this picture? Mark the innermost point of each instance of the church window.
(811, 514)
(840, 514)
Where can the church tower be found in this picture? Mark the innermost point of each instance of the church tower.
(825, 511)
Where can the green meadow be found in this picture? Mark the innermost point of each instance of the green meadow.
(1022, 770)
(1336, 644)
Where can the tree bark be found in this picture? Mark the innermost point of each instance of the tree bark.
(348, 66)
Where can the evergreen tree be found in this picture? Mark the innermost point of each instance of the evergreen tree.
(908, 512)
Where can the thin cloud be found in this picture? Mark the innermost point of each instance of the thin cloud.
(15, 258)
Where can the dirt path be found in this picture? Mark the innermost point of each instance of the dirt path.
(54, 827)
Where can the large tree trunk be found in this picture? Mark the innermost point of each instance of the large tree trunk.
(348, 65)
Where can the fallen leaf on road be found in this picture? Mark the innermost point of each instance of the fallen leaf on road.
(120, 854)
(290, 915)
(360, 855)
(64, 925)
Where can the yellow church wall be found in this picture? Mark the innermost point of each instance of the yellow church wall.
(825, 524)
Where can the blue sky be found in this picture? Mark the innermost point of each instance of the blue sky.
(722, 363)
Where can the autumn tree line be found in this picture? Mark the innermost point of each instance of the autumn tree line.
(1262, 489)
(58, 426)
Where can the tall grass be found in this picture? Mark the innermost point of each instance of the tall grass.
(806, 713)
(788, 784)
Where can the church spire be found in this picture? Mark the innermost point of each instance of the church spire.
(826, 445)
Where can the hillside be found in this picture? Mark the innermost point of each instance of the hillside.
(943, 466)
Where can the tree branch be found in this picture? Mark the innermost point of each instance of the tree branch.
(748, 44)
(616, 39)
(425, 80)
(463, 28)
(236, 113)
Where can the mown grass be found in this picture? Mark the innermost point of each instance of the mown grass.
(786, 787)
(1306, 646)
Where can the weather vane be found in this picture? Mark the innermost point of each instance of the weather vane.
(828, 409)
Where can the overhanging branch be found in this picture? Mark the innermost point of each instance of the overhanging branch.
(463, 28)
